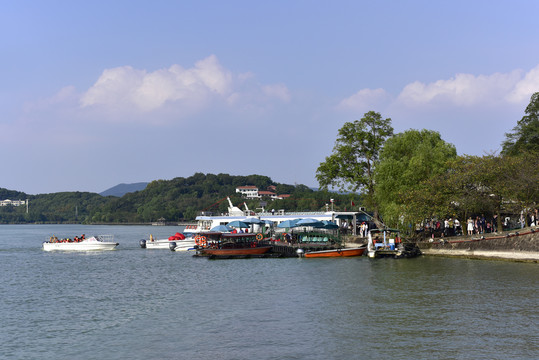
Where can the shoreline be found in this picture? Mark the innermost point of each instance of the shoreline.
(520, 246)
(518, 256)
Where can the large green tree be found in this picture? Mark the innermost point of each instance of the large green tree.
(351, 165)
(406, 161)
(473, 185)
(525, 135)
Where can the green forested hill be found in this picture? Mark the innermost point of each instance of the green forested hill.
(175, 200)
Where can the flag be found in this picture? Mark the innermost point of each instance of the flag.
(352, 203)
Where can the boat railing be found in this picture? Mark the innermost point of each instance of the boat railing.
(297, 213)
(104, 238)
(311, 237)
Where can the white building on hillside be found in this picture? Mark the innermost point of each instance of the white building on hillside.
(8, 202)
(249, 191)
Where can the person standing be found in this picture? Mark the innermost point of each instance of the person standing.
(470, 226)
(458, 229)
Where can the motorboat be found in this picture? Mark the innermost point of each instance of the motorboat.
(153, 243)
(187, 244)
(96, 242)
(388, 243)
(344, 252)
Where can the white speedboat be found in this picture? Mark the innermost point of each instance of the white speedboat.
(97, 242)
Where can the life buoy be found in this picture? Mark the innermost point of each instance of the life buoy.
(197, 239)
(259, 236)
(203, 241)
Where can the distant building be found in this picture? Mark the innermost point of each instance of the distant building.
(8, 202)
(267, 194)
(249, 191)
(252, 192)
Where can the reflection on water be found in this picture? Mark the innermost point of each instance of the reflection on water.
(134, 303)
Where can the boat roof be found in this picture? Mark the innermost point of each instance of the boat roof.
(291, 215)
(218, 234)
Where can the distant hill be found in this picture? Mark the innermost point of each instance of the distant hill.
(122, 189)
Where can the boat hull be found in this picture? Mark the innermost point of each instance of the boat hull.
(159, 244)
(336, 253)
(184, 245)
(80, 246)
(237, 251)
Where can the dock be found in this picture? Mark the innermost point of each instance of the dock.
(279, 249)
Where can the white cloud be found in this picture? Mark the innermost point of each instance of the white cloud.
(278, 91)
(462, 90)
(364, 99)
(125, 88)
(526, 87)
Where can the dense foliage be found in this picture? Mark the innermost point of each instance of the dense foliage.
(407, 160)
(417, 176)
(174, 200)
(352, 164)
(525, 135)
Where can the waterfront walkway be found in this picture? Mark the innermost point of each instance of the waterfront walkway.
(514, 245)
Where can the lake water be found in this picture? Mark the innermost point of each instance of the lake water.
(134, 303)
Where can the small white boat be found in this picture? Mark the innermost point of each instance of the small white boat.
(156, 244)
(177, 240)
(97, 242)
(183, 245)
(384, 243)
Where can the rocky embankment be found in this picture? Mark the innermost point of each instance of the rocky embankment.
(516, 245)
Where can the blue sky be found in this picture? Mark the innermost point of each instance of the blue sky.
(97, 93)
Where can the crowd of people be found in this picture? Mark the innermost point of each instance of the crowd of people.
(475, 225)
(54, 239)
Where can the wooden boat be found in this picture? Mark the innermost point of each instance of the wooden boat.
(230, 245)
(238, 251)
(336, 253)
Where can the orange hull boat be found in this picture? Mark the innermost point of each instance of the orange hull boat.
(336, 253)
(237, 251)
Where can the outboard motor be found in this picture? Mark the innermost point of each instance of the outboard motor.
(172, 245)
(300, 252)
(142, 243)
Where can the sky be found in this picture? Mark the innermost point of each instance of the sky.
(98, 93)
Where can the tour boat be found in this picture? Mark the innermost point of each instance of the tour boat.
(97, 242)
(345, 252)
(259, 222)
(230, 245)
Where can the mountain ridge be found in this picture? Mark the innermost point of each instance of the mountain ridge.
(122, 189)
